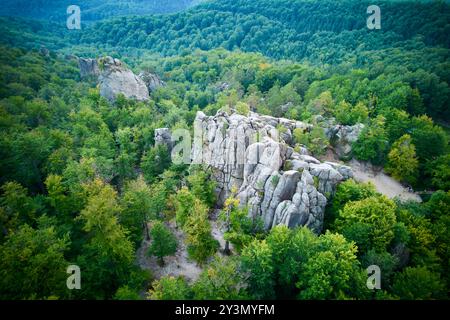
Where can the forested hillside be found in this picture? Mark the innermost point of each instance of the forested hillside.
(83, 181)
(92, 10)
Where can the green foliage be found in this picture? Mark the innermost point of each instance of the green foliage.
(17, 206)
(332, 272)
(421, 238)
(33, 265)
(316, 140)
(242, 228)
(417, 283)
(137, 207)
(242, 108)
(347, 114)
(440, 172)
(184, 204)
(164, 242)
(107, 244)
(429, 139)
(372, 143)
(155, 161)
(220, 280)
(387, 262)
(347, 191)
(402, 162)
(170, 288)
(200, 243)
(203, 186)
(66, 152)
(290, 249)
(257, 263)
(125, 293)
(376, 214)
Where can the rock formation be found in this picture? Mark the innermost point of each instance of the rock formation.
(116, 79)
(342, 138)
(151, 80)
(88, 67)
(255, 154)
(163, 137)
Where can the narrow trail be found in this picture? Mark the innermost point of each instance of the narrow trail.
(176, 265)
(383, 183)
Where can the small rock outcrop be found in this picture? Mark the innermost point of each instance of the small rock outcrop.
(163, 136)
(116, 79)
(342, 137)
(151, 80)
(88, 67)
(254, 153)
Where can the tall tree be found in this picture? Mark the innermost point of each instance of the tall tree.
(402, 161)
(163, 243)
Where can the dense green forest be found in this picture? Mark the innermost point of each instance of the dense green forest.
(92, 10)
(82, 180)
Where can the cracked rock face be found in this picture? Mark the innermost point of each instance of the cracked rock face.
(116, 79)
(151, 80)
(88, 67)
(342, 138)
(255, 154)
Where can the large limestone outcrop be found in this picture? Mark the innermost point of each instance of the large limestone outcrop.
(255, 154)
(116, 79)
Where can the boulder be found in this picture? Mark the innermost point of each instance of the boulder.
(151, 80)
(342, 138)
(88, 67)
(116, 79)
(163, 136)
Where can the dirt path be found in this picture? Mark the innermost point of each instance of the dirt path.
(383, 183)
(176, 265)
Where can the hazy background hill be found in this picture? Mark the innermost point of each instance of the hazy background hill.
(91, 9)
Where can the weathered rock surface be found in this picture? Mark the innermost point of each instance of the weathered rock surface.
(116, 79)
(342, 138)
(88, 67)
(151, 80)
(163, 136)
(276, 183)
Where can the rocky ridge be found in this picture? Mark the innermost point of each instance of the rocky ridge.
(255, 154)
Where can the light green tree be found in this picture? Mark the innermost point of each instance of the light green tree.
(402, 161)
(377, 213)
(200, 243)
(221, 279)
(257, 264)
(170, 288)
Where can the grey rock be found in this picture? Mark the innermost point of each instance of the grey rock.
(151, 80)
(342, 138)
(248, 153)
(88, 67)
(116, 79)
(163, 136)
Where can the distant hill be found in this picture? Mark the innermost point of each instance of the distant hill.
(91, 10)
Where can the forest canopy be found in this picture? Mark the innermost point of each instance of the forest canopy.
(83, 181)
